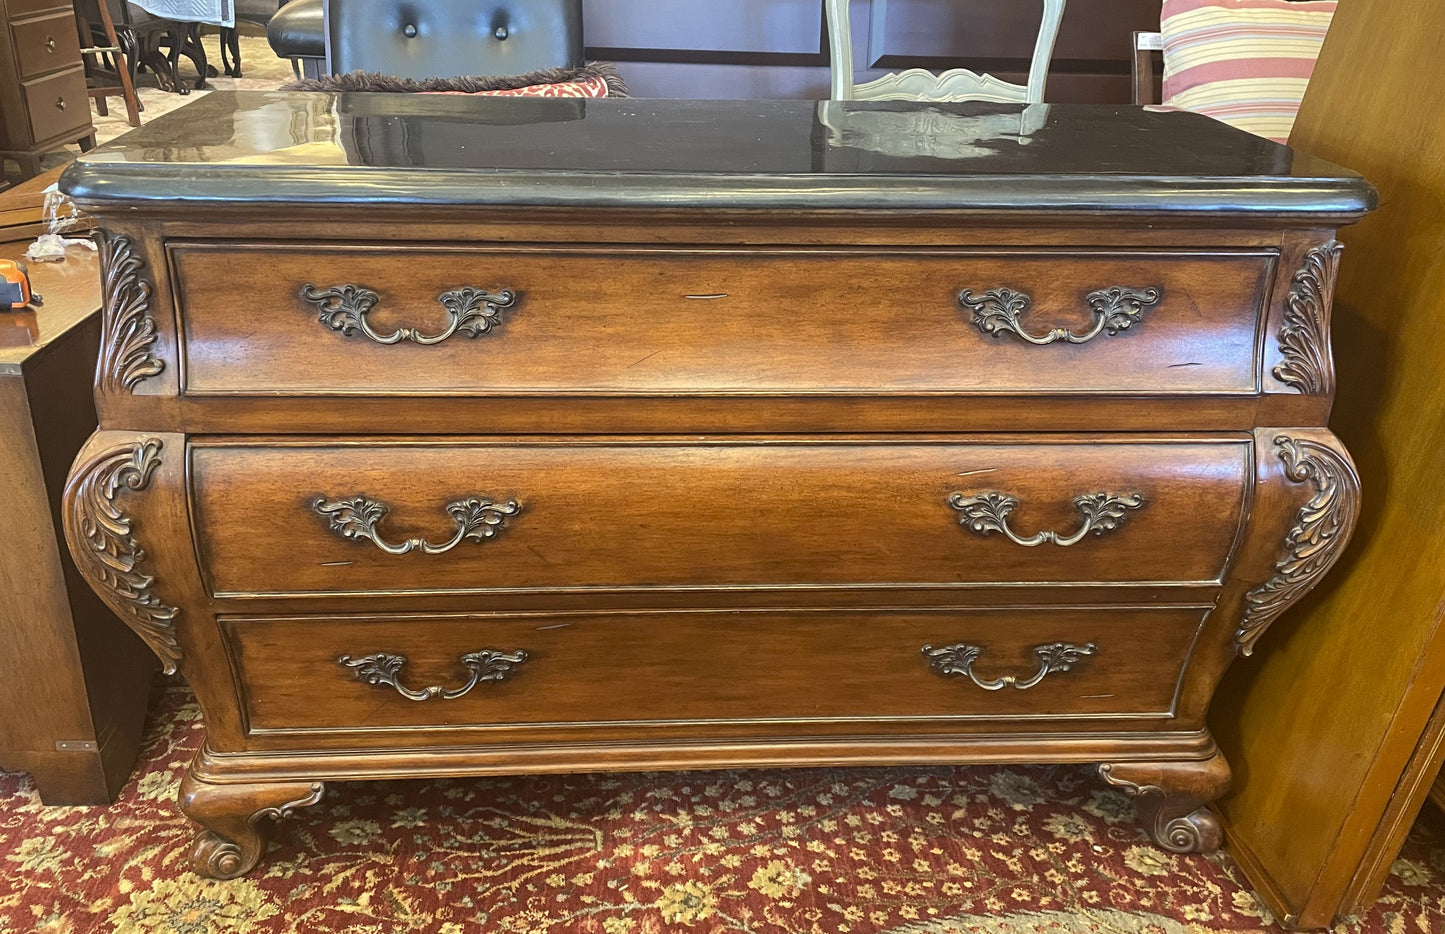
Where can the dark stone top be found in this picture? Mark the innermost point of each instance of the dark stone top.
(444, 149)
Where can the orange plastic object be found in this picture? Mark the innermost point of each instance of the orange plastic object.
(14, 285)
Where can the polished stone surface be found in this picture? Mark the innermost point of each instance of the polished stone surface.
(448, 149)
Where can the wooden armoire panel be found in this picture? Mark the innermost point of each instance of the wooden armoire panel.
(1094, 31)
(724, 26)
(755, 49)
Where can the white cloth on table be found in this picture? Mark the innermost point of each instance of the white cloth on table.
(216, 12)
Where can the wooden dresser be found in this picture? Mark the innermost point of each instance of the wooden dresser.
(452, 436)
(43, 99)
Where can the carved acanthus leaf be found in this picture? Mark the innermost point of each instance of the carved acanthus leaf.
(103, 541)
(128, 332)
(1322, 529)
(1304, 338)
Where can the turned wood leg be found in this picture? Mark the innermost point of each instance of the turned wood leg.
(1171, 798)
(237, 820)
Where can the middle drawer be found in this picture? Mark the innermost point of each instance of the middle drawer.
(365, 517)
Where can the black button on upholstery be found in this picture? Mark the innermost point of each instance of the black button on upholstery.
(501, 33)
(409, 31)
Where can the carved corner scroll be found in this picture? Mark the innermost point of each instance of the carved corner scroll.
(1322, 528)
(103, 542)
(1172, 799)
(128, 332)
(1304, 338)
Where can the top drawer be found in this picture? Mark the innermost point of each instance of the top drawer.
(18, 8)
(46, 44)
(295, 319)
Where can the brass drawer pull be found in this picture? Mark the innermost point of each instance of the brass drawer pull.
(383, 670)
(478, 518)
(952, 660)
(988, 512)
(1116, 309)
(345, 308)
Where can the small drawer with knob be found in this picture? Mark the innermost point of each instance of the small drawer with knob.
(57, 104)
(47, 44)
(620, 673)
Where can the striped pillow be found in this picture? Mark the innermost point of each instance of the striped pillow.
(1245, 62)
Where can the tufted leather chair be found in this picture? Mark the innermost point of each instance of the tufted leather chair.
(297, 32)
(451, 38)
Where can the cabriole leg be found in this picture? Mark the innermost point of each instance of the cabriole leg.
(1172, 799)
(238, 820)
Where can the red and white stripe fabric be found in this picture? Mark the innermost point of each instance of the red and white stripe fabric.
(1244, 62)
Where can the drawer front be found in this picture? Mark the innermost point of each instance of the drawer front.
(367, 517)
(46, 44)
(57, 104)
(19, 8)
(380, 321)
(516, 670)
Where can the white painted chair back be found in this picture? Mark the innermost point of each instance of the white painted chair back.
(958, 84)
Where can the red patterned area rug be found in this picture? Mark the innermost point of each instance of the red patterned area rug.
(821, 851)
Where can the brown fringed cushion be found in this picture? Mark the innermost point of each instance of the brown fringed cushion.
(594, 79)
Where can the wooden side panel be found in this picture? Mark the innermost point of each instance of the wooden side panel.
(33, 605)
(1323, 725)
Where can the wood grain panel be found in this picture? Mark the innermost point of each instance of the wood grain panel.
(666, 668)
(18, 8)
(1096, 31)
(1333, 725)
(721, 26)
(721, 514)
(718, 321)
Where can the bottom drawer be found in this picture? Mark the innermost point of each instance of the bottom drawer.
(58, 104)
(507, 672)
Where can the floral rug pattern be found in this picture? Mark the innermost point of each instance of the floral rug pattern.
(1037, 850)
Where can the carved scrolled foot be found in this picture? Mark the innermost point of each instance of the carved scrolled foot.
(1171, 797)
(238, 820)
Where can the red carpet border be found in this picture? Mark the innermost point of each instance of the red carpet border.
(821, 851)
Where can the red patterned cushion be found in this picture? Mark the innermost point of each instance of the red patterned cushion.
(587, 87)
(594, 79)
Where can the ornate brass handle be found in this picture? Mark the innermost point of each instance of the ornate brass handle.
(383, 670)
(951, 660)
(478, 518)
(1115, 309)
(345, 308)
(988, 512)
